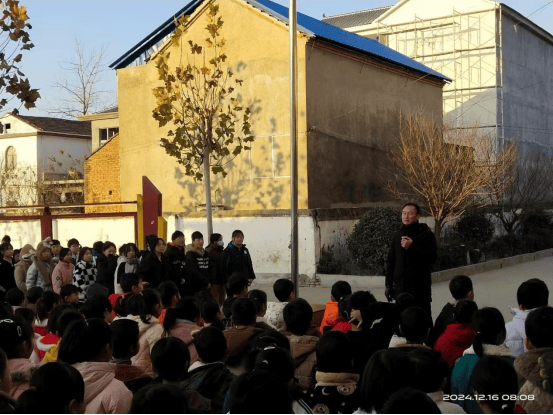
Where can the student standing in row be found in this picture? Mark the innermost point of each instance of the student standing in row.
(236, 257)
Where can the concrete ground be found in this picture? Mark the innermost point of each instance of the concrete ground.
(496, 288)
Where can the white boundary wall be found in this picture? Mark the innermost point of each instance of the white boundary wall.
(21, 232)
(119, 230)
(267, 238)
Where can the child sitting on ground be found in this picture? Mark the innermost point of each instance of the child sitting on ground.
(159, 398)
(124, 340)
(170, 360)
(69, 294)
(458, 336)
(16, 298)
(414, 325)
(182, 322)
(339, 290)
(539, 343)
(243, 318)
(259, 297)
(130, 284)
(87, 346)
(61, 321)
(460, 288)
(209, 376)
(31, 298)
(44, 307)
(298, 315)
(336, 390)
(169, 293)
(284, 292)
(530, 295)
(97, 306)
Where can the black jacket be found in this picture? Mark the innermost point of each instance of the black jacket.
(152, 270)
(445, 318)
(106, 267)
(7, 277)
(215, 253)
(409, 270)
(237, 260)
(212, 381)
(199, 271)
(175, 264)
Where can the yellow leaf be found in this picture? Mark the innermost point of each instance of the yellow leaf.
(205, 70)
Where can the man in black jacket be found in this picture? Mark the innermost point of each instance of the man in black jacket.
(200, 273)
(412, 253)
(236, 258)
(175, 260)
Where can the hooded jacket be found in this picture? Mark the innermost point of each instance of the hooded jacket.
(26, 259)
(462, 372)
(62, 275)
(331, 316)
(124, 266)
(528, 368)
(39, 273)
(21, 371)
(198, 268)
(183, 330)
(334, 393)
(236, 259)
(103, 393)
(455, 340)
(302, 350)
(211, 380)
(237, 338)
(149, 334)
(516, 333)
(409, 270)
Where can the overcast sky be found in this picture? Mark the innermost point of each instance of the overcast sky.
(120, 24)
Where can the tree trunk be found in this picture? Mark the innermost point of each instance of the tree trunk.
(207, 182)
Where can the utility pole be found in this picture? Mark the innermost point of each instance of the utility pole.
(294, 143)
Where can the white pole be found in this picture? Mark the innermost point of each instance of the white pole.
(294, 143)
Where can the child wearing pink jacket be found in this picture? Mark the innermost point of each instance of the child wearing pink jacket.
(63, 272)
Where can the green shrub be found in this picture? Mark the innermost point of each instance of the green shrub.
(370, 240)
(451, 256)
(475, 228)
(328, 264)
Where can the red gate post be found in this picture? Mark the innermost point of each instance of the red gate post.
(46, 223)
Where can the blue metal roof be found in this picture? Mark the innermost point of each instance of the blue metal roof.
(306, 24)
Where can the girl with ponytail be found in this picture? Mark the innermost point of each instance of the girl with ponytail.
(144, 308)
(86, 345)
(489, 325)
(494, 377)
(44, 306)
(182, 322)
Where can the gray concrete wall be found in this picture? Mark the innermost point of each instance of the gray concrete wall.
(528, 85)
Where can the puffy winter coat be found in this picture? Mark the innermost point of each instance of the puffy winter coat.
(84, 276)
(103, 393)
(330, 316)
(106, 271)
(302, 350)
(528, 369)
(516, 333)
(152, 269)
(274, 315)
(183, 330)
(211, 380)
(27, 254)
(149, 333)
(21, 371)
(62, 275)
(455, 340)
(237, 260)
(199, 270)
(124, 266)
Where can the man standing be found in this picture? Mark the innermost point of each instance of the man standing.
(412, 253)
(236, 258)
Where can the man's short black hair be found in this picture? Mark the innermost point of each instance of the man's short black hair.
(124, 337)
(236, 283)
(73, 241)
(236, 233)
(282, 289)
(170, 358)
(460, 286)
(431, 369)
(533, 294)
(417, 207)
(211, 344)
(334, 351)
(360, 299)
(340, 289)
(95, 307)
(68, 289)
(33, 294)
(298, 315)
(128, 281)
(415, 323)
(244, 312)
(55, 242)
(197, 235)
(464, 311)
(15, 297)
(539, 327)
(97, 246)
(177, 234)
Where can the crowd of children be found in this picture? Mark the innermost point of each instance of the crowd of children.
(177, 330)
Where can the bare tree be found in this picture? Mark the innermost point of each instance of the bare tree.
(81, 87)
(449, 170)
(531, 188)
(18, 184)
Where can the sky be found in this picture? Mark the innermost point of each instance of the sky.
(120, 24)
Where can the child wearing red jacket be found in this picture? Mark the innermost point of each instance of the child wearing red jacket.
(331, 316)
(458, 336)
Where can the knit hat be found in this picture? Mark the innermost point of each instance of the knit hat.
(27, 252)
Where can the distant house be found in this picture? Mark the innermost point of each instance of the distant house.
(41, 150)
(104, 125)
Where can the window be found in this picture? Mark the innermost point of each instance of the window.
(107, 133)
(11, 158)
(7, 127)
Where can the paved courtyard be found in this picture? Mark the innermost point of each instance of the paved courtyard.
(493, 289)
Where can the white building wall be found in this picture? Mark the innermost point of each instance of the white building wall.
(17, 126)
(119, 230)
(267, 238)
(21, 232)
(50, 146)
(25, 147)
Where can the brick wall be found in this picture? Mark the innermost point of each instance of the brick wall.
(102, 177)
